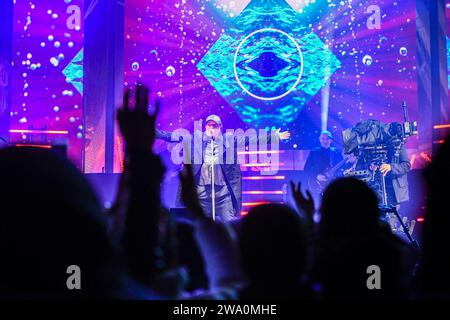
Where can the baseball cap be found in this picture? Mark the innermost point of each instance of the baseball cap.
(328, 133)
(214, 118)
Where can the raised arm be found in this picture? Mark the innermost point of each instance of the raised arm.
(241, 138)
(143, 173)
(217, 241)
(282, 135)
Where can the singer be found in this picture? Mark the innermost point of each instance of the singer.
(214, 190)
(219, 183)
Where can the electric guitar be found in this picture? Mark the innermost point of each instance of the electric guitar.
(317, 186)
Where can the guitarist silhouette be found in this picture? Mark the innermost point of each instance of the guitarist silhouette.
(323, 164)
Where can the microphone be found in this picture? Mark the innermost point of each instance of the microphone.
(211, 136)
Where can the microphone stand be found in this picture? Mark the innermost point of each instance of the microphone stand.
(213, 192)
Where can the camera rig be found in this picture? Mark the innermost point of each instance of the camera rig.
(373, 142)
(372, 133)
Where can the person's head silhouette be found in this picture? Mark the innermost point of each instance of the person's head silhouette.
(51, 220)
(349, 206)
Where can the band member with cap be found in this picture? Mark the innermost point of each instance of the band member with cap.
(227, 177)
(320, 160)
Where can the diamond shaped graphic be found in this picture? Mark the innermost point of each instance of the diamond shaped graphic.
(268, 65)
(74, 72)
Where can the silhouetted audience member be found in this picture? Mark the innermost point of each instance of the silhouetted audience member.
(273, 252)
(51, 220)
(149, 255)
(350, 239)
(147, 234)
(434, 278)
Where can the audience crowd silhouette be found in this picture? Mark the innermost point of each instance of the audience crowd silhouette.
(52, 219)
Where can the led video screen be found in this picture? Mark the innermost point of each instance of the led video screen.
(301, 66)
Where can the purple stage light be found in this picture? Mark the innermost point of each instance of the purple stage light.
(47, 36)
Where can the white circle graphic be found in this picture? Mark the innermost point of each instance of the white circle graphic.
(299, 74)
